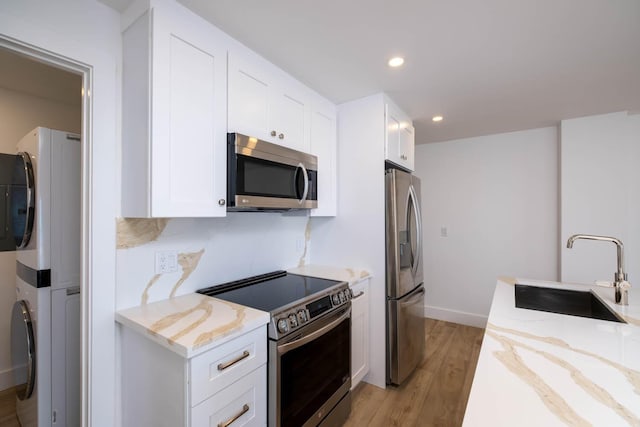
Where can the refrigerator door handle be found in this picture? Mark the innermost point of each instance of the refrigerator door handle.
(413, 202)
(414, 298)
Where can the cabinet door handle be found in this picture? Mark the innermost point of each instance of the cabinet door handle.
(223, 366)
(273, 133)
(358, 295)
(281, 136)
(245, 409)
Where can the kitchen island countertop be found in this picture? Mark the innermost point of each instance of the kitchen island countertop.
(191, 324)
(545, 369)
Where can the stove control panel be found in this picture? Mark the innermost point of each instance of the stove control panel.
(292, 320)
(295, 318)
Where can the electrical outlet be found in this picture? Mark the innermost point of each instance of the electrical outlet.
(166, 262)
(300, 244)
(444, 232)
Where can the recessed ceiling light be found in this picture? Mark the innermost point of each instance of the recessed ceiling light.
(396, 62)
(437, 118)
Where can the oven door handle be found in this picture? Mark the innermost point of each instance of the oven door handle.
(285, 348)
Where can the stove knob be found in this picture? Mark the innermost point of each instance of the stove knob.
(342, 297)
(302, 316)
(283, 325)
(293, 320)
(336, 299)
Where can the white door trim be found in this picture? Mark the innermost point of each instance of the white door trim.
(86, 233)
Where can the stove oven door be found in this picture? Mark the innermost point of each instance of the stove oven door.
(310, 373)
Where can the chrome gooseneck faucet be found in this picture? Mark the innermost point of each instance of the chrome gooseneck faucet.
(620, 284)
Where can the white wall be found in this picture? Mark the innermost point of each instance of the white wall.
(241, 245)
(355, 238)
(20, 113)
(87, 32)
(600, 189)
(497, 196)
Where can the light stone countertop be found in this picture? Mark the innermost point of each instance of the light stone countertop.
(350, 275)
(546, 369)
(192, 324)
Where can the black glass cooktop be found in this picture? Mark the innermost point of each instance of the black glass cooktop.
(271, 291)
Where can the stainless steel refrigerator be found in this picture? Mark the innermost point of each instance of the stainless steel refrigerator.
(404, 276)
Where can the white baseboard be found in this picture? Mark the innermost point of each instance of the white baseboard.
(455, 316)
(6, 379)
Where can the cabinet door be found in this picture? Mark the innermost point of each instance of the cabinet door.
(188, 119)
(359, 332)
(250, 88)
(290, 114)
(324, 146)
(399, 138)
(267, 103)
(407, 145)
(392, 136)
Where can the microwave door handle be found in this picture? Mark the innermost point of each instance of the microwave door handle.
(306, 183)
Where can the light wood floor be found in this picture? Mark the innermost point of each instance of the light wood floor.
(436, 393)
(8, 409)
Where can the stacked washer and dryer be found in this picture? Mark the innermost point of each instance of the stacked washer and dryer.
(45, 327)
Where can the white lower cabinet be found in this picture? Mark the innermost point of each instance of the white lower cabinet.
(359, 331)
(225, 386)
(243, 403)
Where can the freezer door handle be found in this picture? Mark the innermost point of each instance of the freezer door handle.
(414, 209)
(414, 298)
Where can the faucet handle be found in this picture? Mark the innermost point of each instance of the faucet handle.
(625, 285)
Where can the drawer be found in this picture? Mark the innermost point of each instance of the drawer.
(214, 370)
(243, 403)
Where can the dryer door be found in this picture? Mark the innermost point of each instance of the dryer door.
(22, 200)
(23, 352)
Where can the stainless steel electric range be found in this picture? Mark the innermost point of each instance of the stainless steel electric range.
(309, 373)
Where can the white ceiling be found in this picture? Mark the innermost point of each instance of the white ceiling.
(488, 66)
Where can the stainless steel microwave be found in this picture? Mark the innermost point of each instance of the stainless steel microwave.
(262, 176)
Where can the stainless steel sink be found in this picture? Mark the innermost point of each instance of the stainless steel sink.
(564, 301)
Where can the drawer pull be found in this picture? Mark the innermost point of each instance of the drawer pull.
(358, 295)
(245, 409)
(223, 366)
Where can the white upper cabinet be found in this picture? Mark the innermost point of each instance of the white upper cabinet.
(174, 115)
(399, 137)
(324, 146)
(266, 103)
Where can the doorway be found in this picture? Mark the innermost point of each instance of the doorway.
(40, 89)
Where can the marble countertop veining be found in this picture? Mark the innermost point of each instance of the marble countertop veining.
(191, 324)
(546, 369)
(350, 275)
